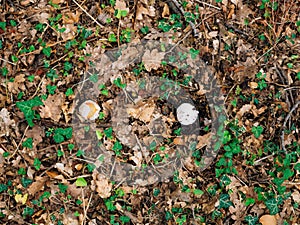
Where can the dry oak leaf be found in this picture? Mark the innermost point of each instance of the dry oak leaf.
(18, 84)
(142, 111)
(140, 11)
(268, 220)
(37, 185)
(101, 184)
(152, 60)
(121, 5)
(52, 107)
(71, 17)
(37, 134)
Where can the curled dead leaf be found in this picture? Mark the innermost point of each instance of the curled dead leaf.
(268, 220)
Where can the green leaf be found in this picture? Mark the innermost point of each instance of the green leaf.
(37, 163)
(81, 182)
(69, 92)
(194, 53)
(26, 108)
(257, 131)
(68, 66)
(225, 201)
(198, 192)
(28, 212)
(108, 132)
(62, 188)
(3, 25)
(124, 219)
(272, 205)
(249, 201)
(27, 143)
(47, 51)
(251, 220)
(112, 37)
(25, 182)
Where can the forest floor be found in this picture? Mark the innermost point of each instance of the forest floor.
(149, 112)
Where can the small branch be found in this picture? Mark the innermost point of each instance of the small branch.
(4, 60)
(284, 123)
(261, 159)
(99, 24)
(209, 5)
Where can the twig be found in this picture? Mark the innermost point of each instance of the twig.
(99, 24)
(261, 159)
(85, 209)
(4, 60)
(207, 4)
(17, 149)
(284, 123)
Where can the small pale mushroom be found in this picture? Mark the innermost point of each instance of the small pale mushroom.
(187, 114)
(89, 110)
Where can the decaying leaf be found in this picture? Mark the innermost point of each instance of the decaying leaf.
(101, 184)
(152, 60)
(52, 107)
(142, 111)
(5, 122)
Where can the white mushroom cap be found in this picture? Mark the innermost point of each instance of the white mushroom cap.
(187, 114)
(89, 110)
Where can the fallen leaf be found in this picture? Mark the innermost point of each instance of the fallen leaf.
(21, 198)
(37, 185)
(140, 11)
(101, 184)
(166, 11)
(152, 60)
(268, 220)
(52, 107)
(18, 84)
(121, 5)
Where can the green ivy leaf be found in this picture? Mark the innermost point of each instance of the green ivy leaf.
(27, 143)
(272, 205)
(47, 51)
(26, 108)
(81, 182)
(225, 201)
(257, 131)
(251, 220)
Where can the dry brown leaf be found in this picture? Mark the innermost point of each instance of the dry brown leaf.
(70, 219)
(37, 185)
(52, 107)
(71, 17)
(37, 134)
(268, 220)
(101, 184)
(203, 140)
(166, 11)
(18, 84)
(152, 60)
(121, 5)
(140, 11)
(245, 108)
(142, 111)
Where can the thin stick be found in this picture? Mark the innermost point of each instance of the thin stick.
(261, 159)
(4, 60)
(18, 146)
(207, 4)
(99, 24)
(284, 123)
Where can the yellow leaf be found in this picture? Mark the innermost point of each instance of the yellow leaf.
(21, 198)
